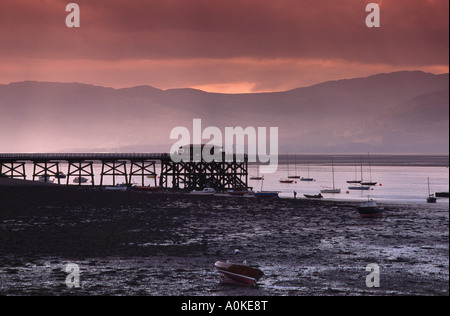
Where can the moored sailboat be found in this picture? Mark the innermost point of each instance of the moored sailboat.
(431, 198)
(355, 181)
(333, 189)
(308, 178)
(295, 168)
(370, 182)
(287, 180)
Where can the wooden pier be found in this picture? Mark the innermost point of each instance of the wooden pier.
(123, 167)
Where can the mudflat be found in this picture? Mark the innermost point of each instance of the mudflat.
(131, 243)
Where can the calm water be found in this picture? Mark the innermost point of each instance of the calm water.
(394, 183)
(403, 184)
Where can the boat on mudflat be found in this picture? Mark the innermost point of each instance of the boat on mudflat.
(313, 196)
(273, 194)
(117, 187)
(204, 192)
(238, 274)
(239, 192)
(370, 209)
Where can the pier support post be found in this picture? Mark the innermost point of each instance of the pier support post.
(80, 169)
(13, 169)
(143, 168)
(198, 175)
(46, 169)
(115, 169)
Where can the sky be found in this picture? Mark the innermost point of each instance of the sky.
(229, 46)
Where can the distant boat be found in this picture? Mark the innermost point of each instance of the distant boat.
(238, 274)
(80, 180)
(238, 192)
(257, 177)
(117, 187)
(359, 187)
(355, 181)
(295, 176)
(308, 178)
(45, 179)
(441, 194)
(370, 182)
(287, 180)
(313, 196)
(370, 209)
(430, 198)
(266, 194)
(273, 194)
(331, 190)
(60, 175)
(205, 191)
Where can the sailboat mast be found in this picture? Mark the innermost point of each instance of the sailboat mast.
(332, 170)
(361, 169)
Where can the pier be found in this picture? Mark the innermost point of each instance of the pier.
(191, 175)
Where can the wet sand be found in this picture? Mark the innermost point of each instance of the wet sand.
(130, 243)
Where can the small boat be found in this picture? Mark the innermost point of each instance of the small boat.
(60, 175)
(442, 194)
(146, 188)
(117, 187)
(370, 209)
(369, 183)
(256, 178)
(330, 190)
(45, 179)
(273, 194)
(286, 181)
(238, 274)
(80, 180)
(359, 187)
(313, 196)
(431, 198)
(205, 191)
(238, 192)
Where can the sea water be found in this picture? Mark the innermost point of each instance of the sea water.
(397, 180)
(394, 183)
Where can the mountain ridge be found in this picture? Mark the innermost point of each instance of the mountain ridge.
(342, 115)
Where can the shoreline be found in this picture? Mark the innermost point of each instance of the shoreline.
(18, 183)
